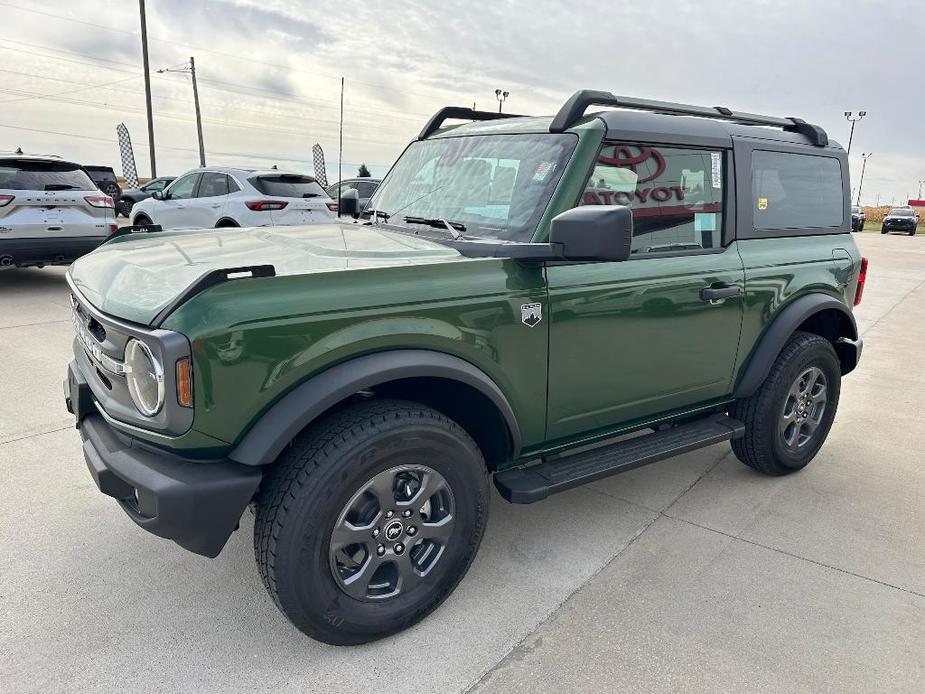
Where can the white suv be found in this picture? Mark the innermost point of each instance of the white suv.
(51, 211)
(226, 197)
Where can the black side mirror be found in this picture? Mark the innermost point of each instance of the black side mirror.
(594, 232)
(349, 204)
(158, 195)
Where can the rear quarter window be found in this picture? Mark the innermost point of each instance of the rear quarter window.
(288, 186)
(43, 175)
(796, 191)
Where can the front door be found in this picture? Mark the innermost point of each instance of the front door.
(635, 339)
(171, 213)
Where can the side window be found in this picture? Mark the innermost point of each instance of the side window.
(233, 187)
(153, 186)
(182, 188)
(796, 191)
(676, 194)
(366, 189)
(212, 185)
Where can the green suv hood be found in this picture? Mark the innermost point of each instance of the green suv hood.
(135, 276)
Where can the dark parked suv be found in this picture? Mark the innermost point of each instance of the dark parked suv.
(518, 296)
(900, 219)
(105, 179)
(857, 218)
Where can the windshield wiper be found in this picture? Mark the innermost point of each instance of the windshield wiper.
(438, 223)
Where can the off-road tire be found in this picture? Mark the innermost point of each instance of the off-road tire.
(300, 502)
(762, 447)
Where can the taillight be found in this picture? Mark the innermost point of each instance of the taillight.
(100, 201)
(862, 278)
(265, 205)
(332, 206)
(113, 228)
(6, 200)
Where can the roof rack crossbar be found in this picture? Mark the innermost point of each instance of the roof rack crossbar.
(574, 109)
(460, 113)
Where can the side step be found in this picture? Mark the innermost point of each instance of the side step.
(526, 485)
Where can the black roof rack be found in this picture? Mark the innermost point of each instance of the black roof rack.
(461, 113)
(574, 109)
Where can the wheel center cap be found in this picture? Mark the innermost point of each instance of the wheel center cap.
(394, 530)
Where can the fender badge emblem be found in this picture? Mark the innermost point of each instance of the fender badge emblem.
(531, 314)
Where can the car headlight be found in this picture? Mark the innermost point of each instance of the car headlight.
(144, 376)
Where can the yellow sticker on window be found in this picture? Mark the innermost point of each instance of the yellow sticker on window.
(762, 203)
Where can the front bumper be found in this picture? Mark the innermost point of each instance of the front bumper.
(899, 226)
(195, 504)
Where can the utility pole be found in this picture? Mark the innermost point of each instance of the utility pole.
(920, 189)
(501, 96)
(191, 69)
(202, 148)
(853, 119)
(340, 147)
(144, 58)
(865, 157)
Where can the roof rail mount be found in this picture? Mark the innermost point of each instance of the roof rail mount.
(459, 113)
(210, 279)
(574, 109)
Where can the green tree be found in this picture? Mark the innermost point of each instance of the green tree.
(363, 172)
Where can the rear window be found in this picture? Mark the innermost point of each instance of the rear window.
(43, 175)
(288, 186)
(796, 191)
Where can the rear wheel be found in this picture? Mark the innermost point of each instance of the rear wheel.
(142, 220)
(788, 419)
(370, 519)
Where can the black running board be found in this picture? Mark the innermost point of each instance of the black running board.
(526, 485)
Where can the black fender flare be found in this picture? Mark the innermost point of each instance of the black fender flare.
(278, 425)
(775, 337)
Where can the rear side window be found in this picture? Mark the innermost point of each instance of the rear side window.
(796, 191)
(212, 185)
(43, 175)
(676, 194)
(287, 186)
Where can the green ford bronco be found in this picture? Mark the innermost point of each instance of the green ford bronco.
(519, 295)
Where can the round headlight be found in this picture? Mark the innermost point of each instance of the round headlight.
(144, 377)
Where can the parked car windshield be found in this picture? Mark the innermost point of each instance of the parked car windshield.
(43, 175)
(855, 210)
(496, 186)
(287, 185)
(901, 212)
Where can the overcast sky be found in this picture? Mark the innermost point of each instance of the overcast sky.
(270, 72)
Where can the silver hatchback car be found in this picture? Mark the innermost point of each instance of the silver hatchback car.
(51, 211)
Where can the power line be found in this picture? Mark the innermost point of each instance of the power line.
(70, 91)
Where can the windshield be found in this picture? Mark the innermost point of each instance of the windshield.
(855, 210)
(496, 186)
(43, 175)
(901, 212)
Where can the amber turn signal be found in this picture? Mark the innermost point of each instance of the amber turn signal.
(184, 383)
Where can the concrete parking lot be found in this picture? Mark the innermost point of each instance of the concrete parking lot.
(695, 574)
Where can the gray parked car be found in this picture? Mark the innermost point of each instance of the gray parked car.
(133, 195)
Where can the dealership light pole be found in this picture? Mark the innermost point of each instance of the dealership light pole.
(865, 157)
(853, 119)
(144, 59)
(191, 71)
(501, 95)
(920, 189)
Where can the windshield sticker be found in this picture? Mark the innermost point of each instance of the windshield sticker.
(704, 221)
(762, 203)
(542, 170)
(716, 161)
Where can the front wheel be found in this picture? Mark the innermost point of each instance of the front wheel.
(883, 230)
(370, 519)
(788, 419)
